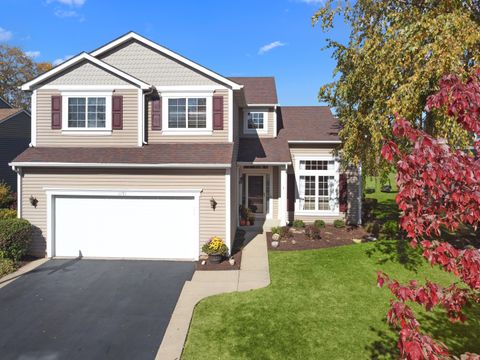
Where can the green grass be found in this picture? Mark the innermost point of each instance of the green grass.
(322, 304)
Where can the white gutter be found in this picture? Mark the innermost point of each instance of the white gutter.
(263, 163)
(119, 165)
(314, 141)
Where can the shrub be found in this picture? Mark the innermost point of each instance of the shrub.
(7, 214)
(373, 228)
(339, 224)
(7, 266)
(215, 246)
(6, 196)
(298, 224)
(389, 230)
(275, 230)
(15, 237)
(312, 232)
(285, 233)
(319, 224)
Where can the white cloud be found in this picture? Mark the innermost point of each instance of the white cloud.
(61, 60)
(69, 2)
(65, 13)
(5, 35)
(32, 54)
(266, 48)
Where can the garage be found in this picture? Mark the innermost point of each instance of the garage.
(125, 225)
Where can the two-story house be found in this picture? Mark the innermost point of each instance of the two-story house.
(138, 152)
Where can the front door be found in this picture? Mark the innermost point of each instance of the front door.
(256, 194)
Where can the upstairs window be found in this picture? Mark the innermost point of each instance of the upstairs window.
(255, 120)
(87, 112)
(187, 113)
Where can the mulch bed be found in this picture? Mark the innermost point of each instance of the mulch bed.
(224, 265)
(331, 237)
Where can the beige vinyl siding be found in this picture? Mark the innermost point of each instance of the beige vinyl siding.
(85, 73)
(152, 66)
(156, 136)
(270, 122)
(309, 150)
(126, 137)
(212, 183)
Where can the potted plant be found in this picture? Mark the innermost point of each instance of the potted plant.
(251, 220)
(216, 249)
(244, 215)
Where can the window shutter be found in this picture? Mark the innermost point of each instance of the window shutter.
(218, 113)
(157, 114)
(343, 197)
(56, 112)
(117, 112)
(290, 192)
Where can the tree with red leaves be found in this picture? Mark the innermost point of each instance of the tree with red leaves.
(439, 189)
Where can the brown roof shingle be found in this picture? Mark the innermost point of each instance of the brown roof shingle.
(6, 113)
(263, 150)
(258, 90)
(307, 123)
(168, 153)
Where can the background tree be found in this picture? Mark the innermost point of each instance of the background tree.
(439, 190)
(396, 53)
(16, 68)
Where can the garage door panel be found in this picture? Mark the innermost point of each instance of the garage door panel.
(126, 227)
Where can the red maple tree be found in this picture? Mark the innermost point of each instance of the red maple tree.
(439, 188)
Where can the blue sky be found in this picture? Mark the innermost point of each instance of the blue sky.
(233, 38)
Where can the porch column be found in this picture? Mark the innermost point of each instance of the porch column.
(282, 208)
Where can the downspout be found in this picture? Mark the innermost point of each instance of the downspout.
(19, 190)
(149, 92)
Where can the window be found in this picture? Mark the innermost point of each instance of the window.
(255, 120)
(87, 112)
(318, 186)
(187, 113)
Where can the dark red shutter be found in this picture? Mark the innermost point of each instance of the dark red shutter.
(117, 112)
(343, 198)
(157, 114)
(290, 192)
(218, 113)
(56, 112)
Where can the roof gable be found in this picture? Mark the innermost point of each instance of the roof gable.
(107, 52)
(258, 90)
(79, 60)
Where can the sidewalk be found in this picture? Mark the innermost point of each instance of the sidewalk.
(253, 274)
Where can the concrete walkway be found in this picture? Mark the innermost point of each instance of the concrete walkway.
(253, 274)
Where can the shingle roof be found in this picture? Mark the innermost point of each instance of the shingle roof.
(6, 113)
(258, 90)
(307, 123)
(263, 150)
(168, 153)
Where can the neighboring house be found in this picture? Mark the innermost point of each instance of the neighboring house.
(139, 152)
(14, 139)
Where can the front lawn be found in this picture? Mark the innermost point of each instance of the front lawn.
(322, 304)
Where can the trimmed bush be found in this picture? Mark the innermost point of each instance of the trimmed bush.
(312, 232)
(7, 266)
(320, 224)
(285, 233)
(389, 230)
(6, 196)
(339, 224)
(275, 230)
(15, 237)
(373, 228)
(7, 214)
(298, 224)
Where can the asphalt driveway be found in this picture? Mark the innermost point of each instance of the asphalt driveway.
(90, 309)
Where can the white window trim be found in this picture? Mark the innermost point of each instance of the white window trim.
(246, 130)
(335, 173)
(208, 95)
(107, 130)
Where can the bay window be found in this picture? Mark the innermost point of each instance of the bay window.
(317, 185)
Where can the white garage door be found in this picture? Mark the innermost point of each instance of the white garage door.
(126, 227)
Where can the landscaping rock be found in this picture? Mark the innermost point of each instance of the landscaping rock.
(357, 241)
(276, 237)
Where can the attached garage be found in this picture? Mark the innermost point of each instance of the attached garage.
(149, 225)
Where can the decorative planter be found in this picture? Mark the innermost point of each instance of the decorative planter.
(243, 222)
(215, 258)
(275, 244)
